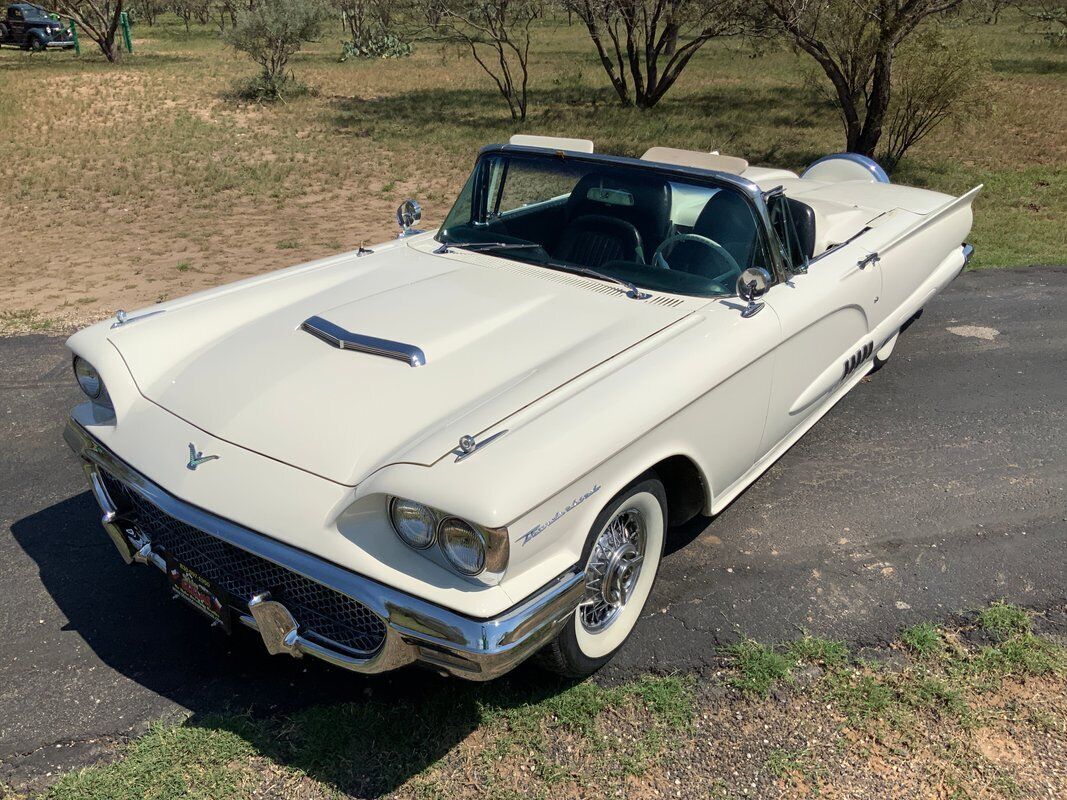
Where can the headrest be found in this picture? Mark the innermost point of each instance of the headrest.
(694, 158)
(552, 142)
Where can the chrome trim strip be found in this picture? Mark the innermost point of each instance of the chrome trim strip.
(347, 340)
(868, 164)
(416, 630)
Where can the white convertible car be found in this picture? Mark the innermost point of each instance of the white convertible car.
(466, 446)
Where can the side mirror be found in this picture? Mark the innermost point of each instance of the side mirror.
(752, 284)
(408, 214)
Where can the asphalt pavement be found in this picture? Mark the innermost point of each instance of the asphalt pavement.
(936, 486)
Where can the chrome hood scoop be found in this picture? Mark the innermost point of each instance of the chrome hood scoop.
(342, 368)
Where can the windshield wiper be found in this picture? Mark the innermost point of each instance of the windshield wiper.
(632, 290)
(447, 247)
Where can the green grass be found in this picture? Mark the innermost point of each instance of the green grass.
(822, 652)
(757, 668)
(924, 640)
(544, 738)
(1004, 619)
(28, 319)
(194, 762)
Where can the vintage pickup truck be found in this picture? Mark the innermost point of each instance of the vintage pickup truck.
(466, 446)
(32, 28)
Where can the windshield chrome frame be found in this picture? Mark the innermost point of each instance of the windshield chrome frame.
(707, 177)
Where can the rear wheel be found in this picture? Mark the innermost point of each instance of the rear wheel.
(621, 560)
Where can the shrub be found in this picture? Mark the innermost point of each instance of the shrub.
(271, 32)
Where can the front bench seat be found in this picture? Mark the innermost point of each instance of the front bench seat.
(609, 218)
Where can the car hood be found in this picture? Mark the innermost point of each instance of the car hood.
(496, 335)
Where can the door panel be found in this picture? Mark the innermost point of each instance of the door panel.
(826, 317)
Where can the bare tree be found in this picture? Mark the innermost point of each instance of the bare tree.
(1051, 15)
(940, 79)
(644, 45)
(147, 10)
(97, 19)
(855, 42)
(498, 34)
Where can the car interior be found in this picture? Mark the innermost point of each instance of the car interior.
(630, 224)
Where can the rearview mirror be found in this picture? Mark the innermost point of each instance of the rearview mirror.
(752, 284)
(407, 215)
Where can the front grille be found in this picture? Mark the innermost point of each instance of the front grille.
(322, 613)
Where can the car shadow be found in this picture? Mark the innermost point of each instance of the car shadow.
(364, 735)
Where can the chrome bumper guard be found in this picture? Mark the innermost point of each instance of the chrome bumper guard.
(416, 630)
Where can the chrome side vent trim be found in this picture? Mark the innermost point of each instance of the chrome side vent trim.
(347, 340)
(670, 302)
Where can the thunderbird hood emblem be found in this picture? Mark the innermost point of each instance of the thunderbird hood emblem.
(197, 457)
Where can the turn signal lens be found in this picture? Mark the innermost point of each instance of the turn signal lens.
(88, 378)
(463, 546)
(413, 522)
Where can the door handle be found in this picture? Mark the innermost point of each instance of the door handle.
(866, 261)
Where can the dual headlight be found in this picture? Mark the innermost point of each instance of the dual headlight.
(90, 381)
(470, 550)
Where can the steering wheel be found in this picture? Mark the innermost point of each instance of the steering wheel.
(659, 258)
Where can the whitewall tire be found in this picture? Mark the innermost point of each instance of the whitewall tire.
(621, 559)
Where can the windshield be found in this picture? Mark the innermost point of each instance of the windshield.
(625, 223)
(35, 13)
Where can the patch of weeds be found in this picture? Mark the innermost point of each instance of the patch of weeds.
(1046, 721)
(1005, 785)
(388, 187)
(183, 761)
(815, 650)
(782, 763)
(669, 699)
(184, 266)
(924, 640)
(1004, 619)
(1021, 655)
(260, 88)
(288, 244)
(29, 319)
(862, 696)
(757, 667)
(925, 692)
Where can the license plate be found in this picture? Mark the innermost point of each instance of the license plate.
(198, 592)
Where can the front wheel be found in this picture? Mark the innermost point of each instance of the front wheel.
(621, 559)
(37, 45)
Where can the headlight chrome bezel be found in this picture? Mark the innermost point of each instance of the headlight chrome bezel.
(495, 544)
(90, 374)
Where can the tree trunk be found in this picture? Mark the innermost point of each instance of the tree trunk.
(877, 105)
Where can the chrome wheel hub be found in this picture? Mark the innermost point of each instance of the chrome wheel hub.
(613, 569)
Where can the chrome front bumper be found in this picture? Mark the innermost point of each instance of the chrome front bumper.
(416, 631)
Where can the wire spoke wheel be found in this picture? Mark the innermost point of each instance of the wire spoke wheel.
(613, 569)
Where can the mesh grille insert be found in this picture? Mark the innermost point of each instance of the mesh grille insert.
(321, 612)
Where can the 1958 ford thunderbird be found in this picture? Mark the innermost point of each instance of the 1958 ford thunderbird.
(464, 447)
